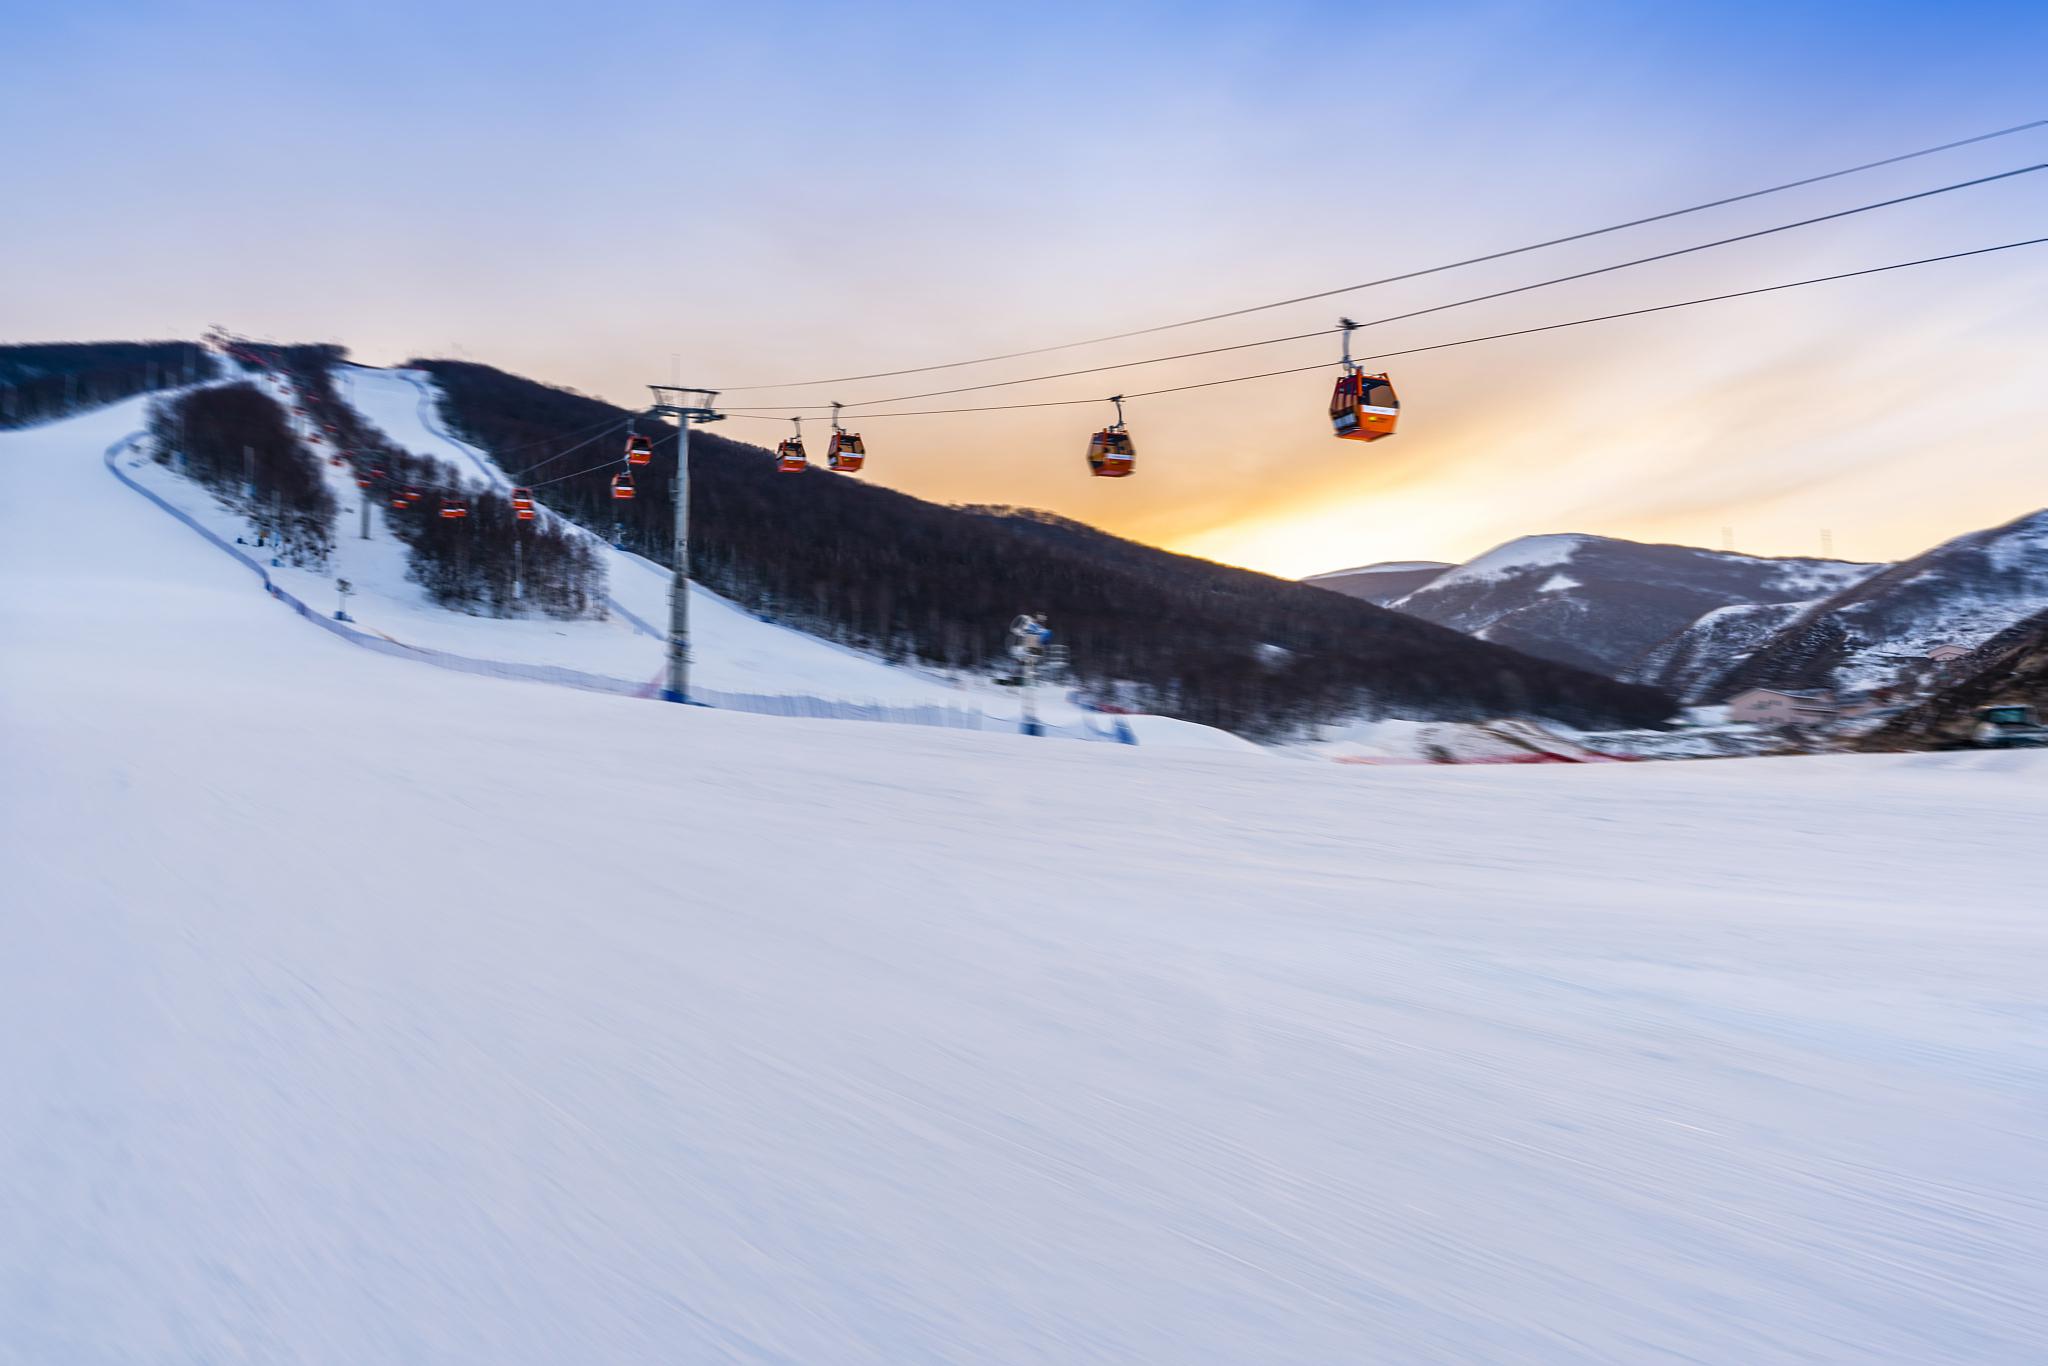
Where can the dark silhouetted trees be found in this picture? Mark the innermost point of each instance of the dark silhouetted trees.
(47, 380)
(235, 441)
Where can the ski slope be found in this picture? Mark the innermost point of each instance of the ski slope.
(732, 650)
(364, 1012)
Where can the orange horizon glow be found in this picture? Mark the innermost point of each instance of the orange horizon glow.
(750, 223)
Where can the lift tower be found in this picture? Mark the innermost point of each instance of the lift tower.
(685, 406)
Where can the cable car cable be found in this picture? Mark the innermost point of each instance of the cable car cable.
(1416, 274)
(543, 483)
(605, 431)
(1442, 346)
(549, 440)
(606, 465)
(1455, 303)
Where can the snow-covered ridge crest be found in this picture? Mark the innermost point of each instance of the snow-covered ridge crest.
(1601, 602)
(1518, 556)
(1879, 631)
(1383, 567)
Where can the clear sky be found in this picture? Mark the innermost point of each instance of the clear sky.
(603, 195)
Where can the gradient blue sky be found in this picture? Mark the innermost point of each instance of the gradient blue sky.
(598, 193)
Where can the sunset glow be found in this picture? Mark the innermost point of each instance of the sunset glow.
(612, 197)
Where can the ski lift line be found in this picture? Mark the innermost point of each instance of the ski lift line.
(1425, 271)
(1455, 303)
(605, 465)
(549, 440)
(607, 430)
(1463, 341)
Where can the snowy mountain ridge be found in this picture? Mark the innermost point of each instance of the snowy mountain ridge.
(1384, 567)
(1514, 557)
(1603, 603)
(1379, 584)
(1879, 631)
(1702, 651)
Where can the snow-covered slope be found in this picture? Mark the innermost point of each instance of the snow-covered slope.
(733, 651)
(1878, 631)
(357, 1011)
(1689, 663)
(1602, 603)
(1379, 584)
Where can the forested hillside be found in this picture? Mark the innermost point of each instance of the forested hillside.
(237, 443)
(47, 380)
(914, 580)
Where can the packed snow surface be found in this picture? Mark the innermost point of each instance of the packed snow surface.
(363, 1012)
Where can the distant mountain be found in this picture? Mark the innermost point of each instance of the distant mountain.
(2010, 667)
(916, 582)
(1962, 592)
(1379, 584)
(1604, 604)
(1689, 664)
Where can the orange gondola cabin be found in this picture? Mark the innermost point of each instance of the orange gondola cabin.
(522, 499)
(1110, 453)
(845, 453)
(622, 486)
(1364, 407)
(453, 509)
(639, 449)
(790, 457)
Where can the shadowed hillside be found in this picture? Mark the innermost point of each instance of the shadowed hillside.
(912, 580)
(2011, 667)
